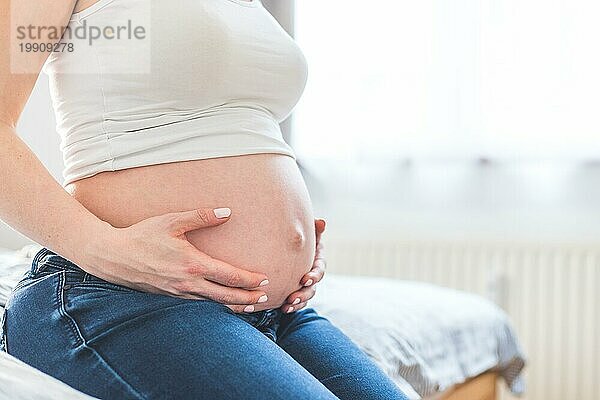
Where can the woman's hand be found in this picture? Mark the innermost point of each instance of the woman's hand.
(298, 299)
(155, 256)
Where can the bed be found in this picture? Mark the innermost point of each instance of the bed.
(435, 343)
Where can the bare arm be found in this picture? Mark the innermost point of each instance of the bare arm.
(152, 255)
(31, 201)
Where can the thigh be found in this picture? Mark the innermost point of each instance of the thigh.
(331, 356)
(113, 342)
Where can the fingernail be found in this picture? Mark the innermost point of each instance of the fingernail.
(222, 212)
(263, 283)
(289, 310)
(249, 309)
(262, 298)
(308, 282)
(296, 301)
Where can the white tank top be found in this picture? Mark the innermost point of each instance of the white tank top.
(208, 78)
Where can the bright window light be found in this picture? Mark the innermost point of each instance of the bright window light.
(511, 79)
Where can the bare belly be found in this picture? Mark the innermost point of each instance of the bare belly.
(271, 229)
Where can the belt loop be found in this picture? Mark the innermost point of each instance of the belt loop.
(37, 258)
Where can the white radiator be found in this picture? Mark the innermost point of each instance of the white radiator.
(551, 292)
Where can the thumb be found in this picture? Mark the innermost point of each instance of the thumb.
(199, 218)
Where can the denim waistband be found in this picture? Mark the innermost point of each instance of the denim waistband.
(264, 320)
(46, 256)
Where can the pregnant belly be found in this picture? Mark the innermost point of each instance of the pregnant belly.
(271, 229)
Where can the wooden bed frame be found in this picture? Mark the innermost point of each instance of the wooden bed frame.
(482, 387)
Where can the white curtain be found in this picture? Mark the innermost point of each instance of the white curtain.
(437, 79)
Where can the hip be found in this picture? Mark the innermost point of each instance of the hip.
(73, 308)
(106, 339)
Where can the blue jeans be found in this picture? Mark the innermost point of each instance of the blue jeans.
(113, 342)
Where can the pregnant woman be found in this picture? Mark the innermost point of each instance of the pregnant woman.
(180, 254)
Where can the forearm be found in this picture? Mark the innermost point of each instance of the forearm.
(33, 203)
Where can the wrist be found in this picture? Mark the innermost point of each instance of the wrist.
(98, 240)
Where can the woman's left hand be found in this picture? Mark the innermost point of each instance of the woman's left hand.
(298, 299)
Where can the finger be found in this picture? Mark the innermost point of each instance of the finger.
(186, 221)
(319, 228)
(226, 274)
(315, 275)
(320, 225)
(319, 251)
(290, 309)
(228, 295)
(239, 308)
(301, 295)
(318, 265)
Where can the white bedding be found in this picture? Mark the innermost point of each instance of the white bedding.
(18, 381)
(13, 264)
(425, 337)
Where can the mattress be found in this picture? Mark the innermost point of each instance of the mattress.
(426, 338)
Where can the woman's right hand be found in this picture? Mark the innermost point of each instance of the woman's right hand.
(155, 256)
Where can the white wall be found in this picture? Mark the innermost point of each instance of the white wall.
(461, 200)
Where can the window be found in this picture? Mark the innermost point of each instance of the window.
(449, 80)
